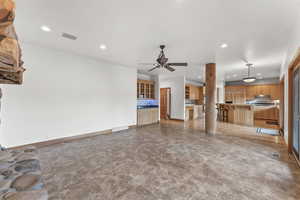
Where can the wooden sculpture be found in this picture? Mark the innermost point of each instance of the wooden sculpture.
(11, 70)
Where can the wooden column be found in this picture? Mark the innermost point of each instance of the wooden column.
(210, 103)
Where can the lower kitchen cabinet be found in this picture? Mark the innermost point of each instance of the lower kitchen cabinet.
(147, 116)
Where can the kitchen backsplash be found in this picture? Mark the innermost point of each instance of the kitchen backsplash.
(147, 102)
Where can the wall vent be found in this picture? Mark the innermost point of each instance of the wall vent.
(69, 36)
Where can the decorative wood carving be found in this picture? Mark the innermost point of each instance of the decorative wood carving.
(11, 64)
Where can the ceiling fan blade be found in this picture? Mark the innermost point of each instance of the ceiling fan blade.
(245, 60)
(146, 63)
(154, 68)
(178, 64)
(171, 69)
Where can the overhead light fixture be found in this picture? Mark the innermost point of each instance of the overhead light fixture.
(223, 46)
(45, 28)
(103, 47)
(258, 74)
(249, 79)
(234, 75)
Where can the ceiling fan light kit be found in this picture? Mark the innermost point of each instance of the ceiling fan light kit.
(162, 62)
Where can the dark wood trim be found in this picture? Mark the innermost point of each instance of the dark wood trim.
(290, 110)
(180, 120)
(65, 139)
(297, 160)
(282, 103)
(295, 64)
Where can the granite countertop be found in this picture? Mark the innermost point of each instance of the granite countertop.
(146, 107)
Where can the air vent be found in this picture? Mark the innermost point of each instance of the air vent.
(275, 155)
(69, 36)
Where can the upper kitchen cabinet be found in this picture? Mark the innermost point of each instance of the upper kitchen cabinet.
(145, 89)
(255, 90)
(235, 94)
(193, 92)
(240, 94)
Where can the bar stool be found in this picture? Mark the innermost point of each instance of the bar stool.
(219, 115)
(225, 112)
(221, 112)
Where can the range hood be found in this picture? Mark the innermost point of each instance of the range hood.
(261, 100)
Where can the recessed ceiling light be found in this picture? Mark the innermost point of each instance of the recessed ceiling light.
(258, 74)
(227, 77)
(45, 28)
(234, 75)
(103, 47)
(224, 45)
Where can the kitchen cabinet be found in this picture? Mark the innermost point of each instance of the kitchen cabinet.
(235, 94)
(147, 116)
(145, 89)
(255, 90)
(193, 92)
(239, 94)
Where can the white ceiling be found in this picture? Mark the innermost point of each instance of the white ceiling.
(193, 30)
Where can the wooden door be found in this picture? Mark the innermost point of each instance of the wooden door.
(165, 101)
(296, 113)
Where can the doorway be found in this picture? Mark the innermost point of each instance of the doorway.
(165, 103)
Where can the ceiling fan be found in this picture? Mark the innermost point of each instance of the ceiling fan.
(162, 62)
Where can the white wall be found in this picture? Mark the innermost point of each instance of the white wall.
(197, 83)
(177, 85)
(221, 87)
(65, 95)
(144, 77)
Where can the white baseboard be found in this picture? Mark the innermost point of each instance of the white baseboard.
(116, 129)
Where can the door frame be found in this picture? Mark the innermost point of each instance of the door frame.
(294, 65)
(170, 96)
(282, 104)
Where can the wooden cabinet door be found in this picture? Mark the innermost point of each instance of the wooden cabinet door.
(250, 92)
(187, 92)
(275, 92)
(201, 96)
(192, 92)
(228, 95)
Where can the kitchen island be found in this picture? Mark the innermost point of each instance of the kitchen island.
(250, 115)
(193, 112)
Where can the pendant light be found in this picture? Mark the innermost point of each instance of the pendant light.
(249, 79)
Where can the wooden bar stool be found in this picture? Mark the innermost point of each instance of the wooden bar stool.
(225, 112)
(219, 115)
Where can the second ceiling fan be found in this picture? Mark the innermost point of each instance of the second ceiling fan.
(162, 62)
